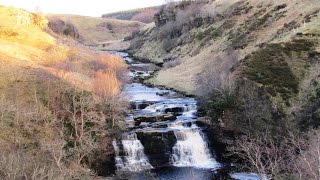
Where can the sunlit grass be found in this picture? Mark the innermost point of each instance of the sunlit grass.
(97, 30)
(26, 44)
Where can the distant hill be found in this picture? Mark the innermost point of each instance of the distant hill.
(95, 30)
(144, 15)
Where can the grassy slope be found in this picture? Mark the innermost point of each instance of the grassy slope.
(95, 30)
(128, 15)
(37, 69)
(18, 37)
(183, 76)
(26, 44)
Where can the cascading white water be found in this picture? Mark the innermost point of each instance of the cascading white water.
(134, 159)
(190, 149)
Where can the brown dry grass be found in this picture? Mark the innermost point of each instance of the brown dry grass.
(106, 84)
(96, 30)
(41, 76)
(25, 44)
(113, 62)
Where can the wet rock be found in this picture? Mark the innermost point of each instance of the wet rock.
(143, 105)
(203, 122)
(162, 93)
(157, 146)
(140, 105)
(174, 110)
(151, 119)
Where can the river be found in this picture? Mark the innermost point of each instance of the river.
(163, 134)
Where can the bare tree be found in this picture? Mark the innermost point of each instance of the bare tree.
(295, 157)
(56, 149)
(306, 158)
(263, 155)
(217, 73)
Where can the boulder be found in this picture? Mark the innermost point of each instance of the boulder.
(158, 146)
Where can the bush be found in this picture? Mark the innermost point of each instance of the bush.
(145, 16)
(168, 44)
(216, 73)
(270, 67)
(217, 88)
(289, 157)
(64, 28)
(134, 34)
(216, 33)
(200, 35)
(171, 64)
(136, 43)
(220, 100)
(170, 30)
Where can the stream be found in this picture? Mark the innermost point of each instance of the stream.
(163, 134)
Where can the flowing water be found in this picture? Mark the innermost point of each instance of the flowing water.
(162, 134)
(191, 149)
(134, 159)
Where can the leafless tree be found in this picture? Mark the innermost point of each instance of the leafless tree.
(217, 73)
(56, 149)
(296, 156)
(306, 158)
(263, 155)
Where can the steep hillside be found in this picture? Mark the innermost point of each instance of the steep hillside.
(255, 67)
(194, 34)
(262, 46)
(19, 41)
(99, 30)
(54, 112)
(144, 15)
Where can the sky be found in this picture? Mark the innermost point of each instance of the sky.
(81, 7)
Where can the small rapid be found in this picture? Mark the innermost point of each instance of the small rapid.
(163, 133)
(191, 149)
(157, 110)
(134, 158)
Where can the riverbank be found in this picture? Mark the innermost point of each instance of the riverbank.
(255, 65)
(156, 138)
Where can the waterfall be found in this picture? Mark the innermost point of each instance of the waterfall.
(134, 158)
(191, 150)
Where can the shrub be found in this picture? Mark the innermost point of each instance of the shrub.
(277, 69)
(216, 73)
(39, 20)
(200, 35)
(170, 30)
(289, 157)
(112, 62)
(64, 28)
(145, 16)
(220, 100)
(171, 63)
(106, 84)
(133, 34)
(216, 86)
(168, 44)
(216, 33)
(136, 43)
